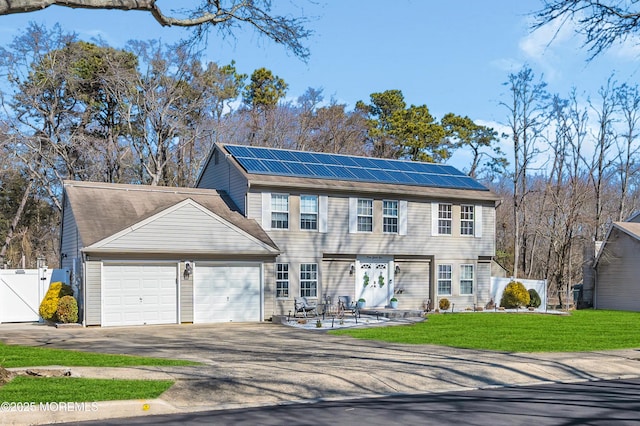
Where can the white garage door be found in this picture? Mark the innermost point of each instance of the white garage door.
(139, 294)
(226, 293)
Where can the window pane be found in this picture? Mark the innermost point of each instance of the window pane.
(279, 211)
(444, 219)
(466, 279)
(308, 212)
(390, 217)
(444, 279)
(309, 280)
(365, 215)
(466, 220)
(282, 280)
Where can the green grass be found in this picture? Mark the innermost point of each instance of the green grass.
(68, 389)
(27, 356)
(584, 330)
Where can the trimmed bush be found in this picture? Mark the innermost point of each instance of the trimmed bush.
(515, 295)
(444, 304)
(49, 305)
(534, 298)
(67, 310)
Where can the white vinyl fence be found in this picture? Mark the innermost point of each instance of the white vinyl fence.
(22, 290)
(498, 285)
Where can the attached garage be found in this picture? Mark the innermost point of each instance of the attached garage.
(160, 255)
(139, 294)
(229, 292)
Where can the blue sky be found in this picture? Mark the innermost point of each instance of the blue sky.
(453, 56)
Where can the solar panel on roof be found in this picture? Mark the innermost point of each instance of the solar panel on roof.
(281, 162)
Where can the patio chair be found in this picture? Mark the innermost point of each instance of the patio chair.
(345, 304)
(304, 306)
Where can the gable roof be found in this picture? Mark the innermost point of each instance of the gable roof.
(102, 210)
(268, 166)
(632, 229)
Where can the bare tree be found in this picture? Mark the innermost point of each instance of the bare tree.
(525, 121)
(224, 16)
(628, 99)
(600, 163)
(603, 23)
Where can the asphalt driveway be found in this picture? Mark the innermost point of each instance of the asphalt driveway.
(248, 364)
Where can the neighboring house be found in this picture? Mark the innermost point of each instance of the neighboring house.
(362, 227)
(617, 268)
(265, 226)
(157, 255)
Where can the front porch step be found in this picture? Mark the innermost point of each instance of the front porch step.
(393, 313)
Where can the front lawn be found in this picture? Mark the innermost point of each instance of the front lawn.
(56, 389)
(27, 356)
(583, 330)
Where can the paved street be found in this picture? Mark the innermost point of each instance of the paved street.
(594, 403)
(249, 365)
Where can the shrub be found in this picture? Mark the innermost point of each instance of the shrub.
(67, 310)
(514, 295)
(444, 304)
(49, 305)
(534, 299)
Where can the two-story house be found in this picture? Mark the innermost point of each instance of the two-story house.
(266, 225)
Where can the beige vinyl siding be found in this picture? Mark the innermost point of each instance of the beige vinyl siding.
(483, 283)
(272, 305)
(414, 282)
(337, 280)
(188, 229)
(70, 243)
(617, 285)
(186, 296)
(227, 178)
(338, 239)
(93, 296)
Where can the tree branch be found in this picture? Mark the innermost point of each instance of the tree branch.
(283, 30)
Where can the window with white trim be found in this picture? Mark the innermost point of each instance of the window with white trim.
(444, 219)
(282, 280)
(389, 217)
(467, 219)
(279, 211)
(365, 215)
(308, 280)
(466, 279)
(444, 280)
(309, 212)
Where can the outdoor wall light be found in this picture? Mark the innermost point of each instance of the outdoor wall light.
(188, 269)
(352, 269)
(397, 269)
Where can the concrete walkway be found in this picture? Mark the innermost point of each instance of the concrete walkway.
(265, 364)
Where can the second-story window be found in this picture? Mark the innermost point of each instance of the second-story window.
(390, 217)
(309, 212)
(279, 211)
(365, 215)
(467, 218)
(444, 219)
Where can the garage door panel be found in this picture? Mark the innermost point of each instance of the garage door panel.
(139, 294)
(227, 293)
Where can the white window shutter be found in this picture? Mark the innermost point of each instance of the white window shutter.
(353, 215)
(477, 226)
(323, 212)
(434, 219)
(266, 211)
(402, 217)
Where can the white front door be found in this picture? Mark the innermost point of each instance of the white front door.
(372, 281)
